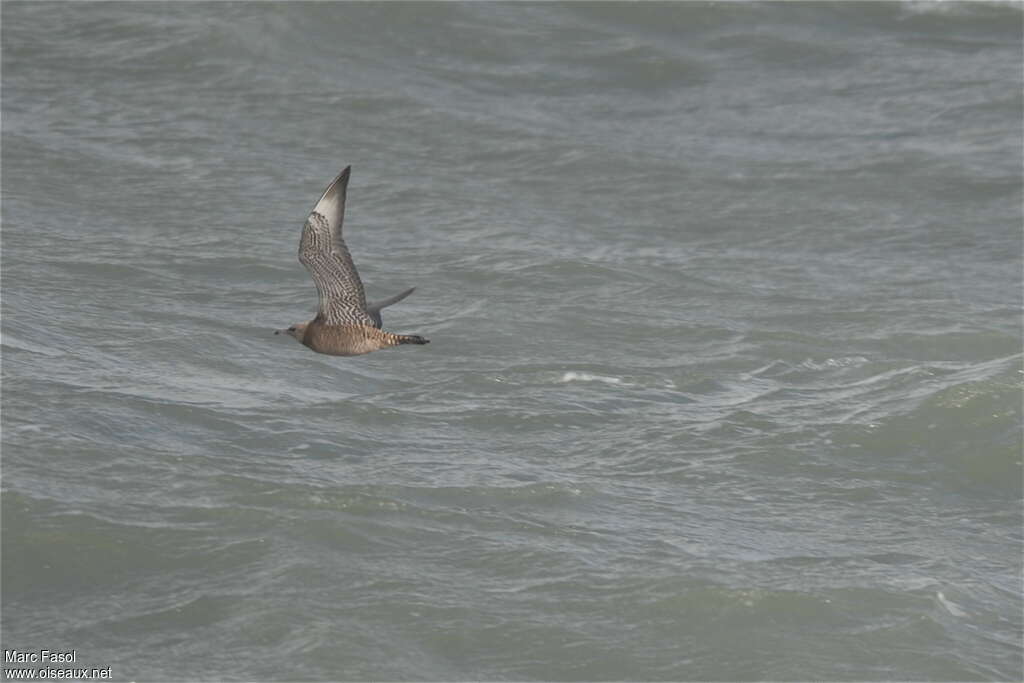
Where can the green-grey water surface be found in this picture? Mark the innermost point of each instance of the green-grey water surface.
(724, 302)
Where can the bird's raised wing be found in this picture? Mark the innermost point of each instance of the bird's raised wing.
(323, 252)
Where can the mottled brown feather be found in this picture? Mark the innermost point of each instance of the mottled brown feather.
(353, 340)
(344, 325)
(324, 254)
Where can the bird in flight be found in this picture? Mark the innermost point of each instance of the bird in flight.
(344, 324)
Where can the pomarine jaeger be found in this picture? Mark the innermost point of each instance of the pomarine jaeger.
(344, 324)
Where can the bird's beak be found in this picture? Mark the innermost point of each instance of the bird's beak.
(278, 331)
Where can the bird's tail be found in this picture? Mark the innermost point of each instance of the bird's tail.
(397, 339)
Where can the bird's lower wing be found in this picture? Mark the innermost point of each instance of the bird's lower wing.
(373, 310)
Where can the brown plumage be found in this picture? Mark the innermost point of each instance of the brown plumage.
(344, 324)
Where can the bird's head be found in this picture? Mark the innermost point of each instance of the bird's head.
(298, 330)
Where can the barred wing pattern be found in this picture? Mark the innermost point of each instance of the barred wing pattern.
(324, 254)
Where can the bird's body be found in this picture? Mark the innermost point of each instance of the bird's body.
(344, 324)
(350, 340)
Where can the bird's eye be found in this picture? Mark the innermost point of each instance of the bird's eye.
(291, 329)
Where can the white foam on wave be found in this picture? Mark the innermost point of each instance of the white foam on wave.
(950, 606)
(31, 347)
(828, 363)
(573, 376)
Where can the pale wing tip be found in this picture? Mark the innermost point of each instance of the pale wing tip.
(332, 198)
